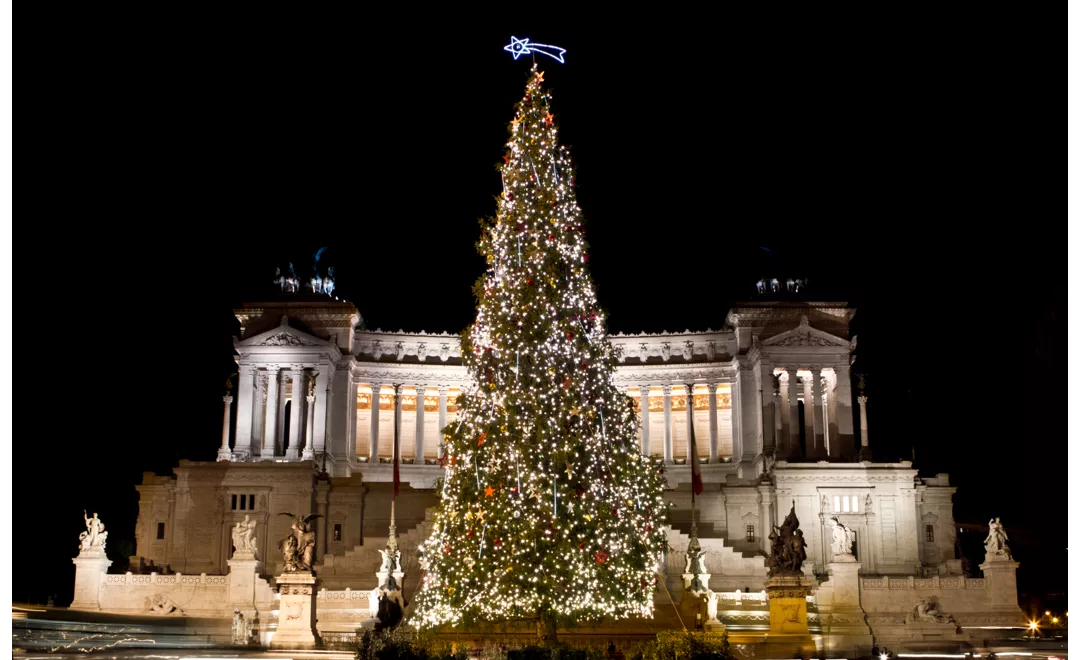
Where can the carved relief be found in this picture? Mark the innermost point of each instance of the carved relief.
(283, 339)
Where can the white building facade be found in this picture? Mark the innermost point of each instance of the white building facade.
(319, 402)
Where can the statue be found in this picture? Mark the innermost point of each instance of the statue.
(788, 547)
(292, 283)
(841, 538)
(278, 279)
(94, 536)
(328, 281)
(243, 538)
(996, 541)
(774, 285)
(824, 503)
(391, 561)
(241, 631)
(391, 605)
(298, 547)
(925, 612)
(161, 604)
(761, 286)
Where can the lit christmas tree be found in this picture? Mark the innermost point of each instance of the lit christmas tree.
(548, 508)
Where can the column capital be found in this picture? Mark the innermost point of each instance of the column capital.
(790, 369)
(443, 390)
(711, 384)
(398, 388)
(644, 389)
(420, 388)
(311, 398)
(815, 369)
(689, 388)
(666, 389)
(862, 399)
(227, 399)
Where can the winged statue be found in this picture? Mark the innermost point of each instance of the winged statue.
(298, 547)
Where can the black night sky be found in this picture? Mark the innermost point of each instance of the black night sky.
(899, 169)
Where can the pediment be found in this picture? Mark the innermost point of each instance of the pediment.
(749, 517)
(283, 335)
(804, 335)
(930, 518)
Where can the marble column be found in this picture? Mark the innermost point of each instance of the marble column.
(689, 387)
(271, 427)
(714, 426)
(778, 417)
(819, 417)
(322, 404)
(245, 411)
(279, 437)
(328, 395)
(644, 419)
(768, 424)
(373, 443)
(667, 424)
(420, 391)
(223, 452)
(845, 416)
(795, 448)
(444, 390)
(309, 452)
(296, 411)
(864, 450)
(808, 419)
(399, 390)
(258, 430)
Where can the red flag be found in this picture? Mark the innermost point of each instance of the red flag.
(695, 462)
(397, 432)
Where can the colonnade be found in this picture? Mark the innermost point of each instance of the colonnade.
(263, 393)
(419, 441)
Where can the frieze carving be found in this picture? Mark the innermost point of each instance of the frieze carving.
(804, 336)
(282, 339)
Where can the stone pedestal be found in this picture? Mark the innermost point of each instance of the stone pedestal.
(90, 568)
(243, 573)
(296, 614)
(1000, 574)
(843, 621)
(789, 633)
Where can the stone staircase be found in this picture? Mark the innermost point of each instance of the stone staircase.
(710, 531)
(356, 566)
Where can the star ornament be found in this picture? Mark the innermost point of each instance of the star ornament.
(489, 492)
(518, 47)
(547, 119)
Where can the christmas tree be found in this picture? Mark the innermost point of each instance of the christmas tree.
(548, 508)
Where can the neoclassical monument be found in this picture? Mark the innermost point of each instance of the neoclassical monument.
(320, 401)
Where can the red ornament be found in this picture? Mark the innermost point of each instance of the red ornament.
(585, 257)
(614, 513)
(569, 335)
(446, 549)
(510, 196)
(506, 159)
(601, 557)
(551, 237)
(529, 282)
(497, 543)
(648, 527)
(521, 227)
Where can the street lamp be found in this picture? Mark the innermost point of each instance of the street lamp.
(1033, 626)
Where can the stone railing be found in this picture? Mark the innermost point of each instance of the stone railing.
(346, 595)
(958, 582)
(761, 597)
(201, 579)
